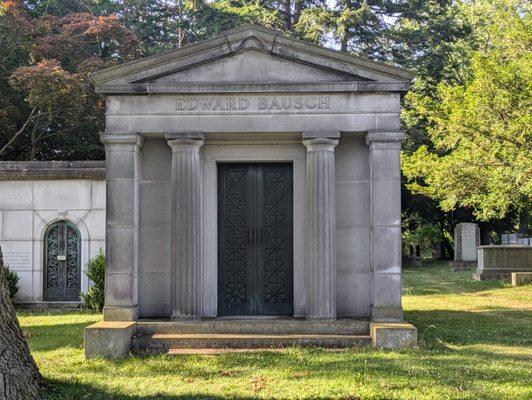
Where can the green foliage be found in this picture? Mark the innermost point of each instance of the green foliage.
(48, 108)
(467, 115)
(422, 233)
(95, 296)
(481, 131)
(12, 280)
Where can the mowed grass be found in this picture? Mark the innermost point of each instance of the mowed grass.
(475, 343)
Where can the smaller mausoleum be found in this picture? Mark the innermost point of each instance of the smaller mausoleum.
(52, 219)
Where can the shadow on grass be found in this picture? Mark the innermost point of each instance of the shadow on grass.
(502, 326)
(394, 370)
(52, 337)
(59, 390)
(438, 279)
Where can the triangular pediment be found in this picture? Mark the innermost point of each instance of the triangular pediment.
(250, 58)
(253, 67)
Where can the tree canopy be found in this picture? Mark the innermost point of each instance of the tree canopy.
(467, 152)
(480, 130)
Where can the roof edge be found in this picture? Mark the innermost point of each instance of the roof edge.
(48, 170)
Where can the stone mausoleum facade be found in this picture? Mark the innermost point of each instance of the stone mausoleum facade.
(252, 175)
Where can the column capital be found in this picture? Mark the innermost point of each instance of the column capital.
(121, 139)
(320, 140)
(185, 144)
(320, 135)
(179, 141)
(393, 138)
(183, 135)
(323, 144)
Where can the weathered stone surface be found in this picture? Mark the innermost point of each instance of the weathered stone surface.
(255, 95)
(320, 225)
(466, 240)
(35, 194)
(186, 229)
(162, 343)
(122, 223)
(277, 325)
(368, 75)
(393, 335)
(521, 278)
(108, 339)
(45, 170)
(385, 237)
(498, 262)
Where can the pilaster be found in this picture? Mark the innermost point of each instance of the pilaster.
(122, 222)
(186, 225)
(385, 220)
(320, 224)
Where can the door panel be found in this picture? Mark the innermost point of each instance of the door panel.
(255, 239)
(234, 241)
(275, 244)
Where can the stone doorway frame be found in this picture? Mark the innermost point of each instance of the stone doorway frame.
(250, 148)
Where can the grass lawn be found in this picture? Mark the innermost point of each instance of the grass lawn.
(475, 343)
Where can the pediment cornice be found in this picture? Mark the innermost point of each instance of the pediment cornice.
(355, 73)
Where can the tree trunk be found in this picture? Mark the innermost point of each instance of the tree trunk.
(287, 5)
(34, 139)
(19, 376)
(298, 8)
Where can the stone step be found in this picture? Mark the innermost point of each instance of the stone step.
(165, 342)
(287, 326)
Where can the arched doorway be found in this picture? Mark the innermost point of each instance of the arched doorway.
(62, 262)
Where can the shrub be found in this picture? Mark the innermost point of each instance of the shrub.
(94, 298)
(12, 280)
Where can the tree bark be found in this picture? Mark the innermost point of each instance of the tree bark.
(298, 8)
(19, 376)
(287, 6)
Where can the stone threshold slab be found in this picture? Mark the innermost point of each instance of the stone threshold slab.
(276, 326)
(162, 343)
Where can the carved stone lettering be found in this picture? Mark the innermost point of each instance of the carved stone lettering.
(266, 104)
(18, 260)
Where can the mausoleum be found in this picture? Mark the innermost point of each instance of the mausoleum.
(252, 177)
(52, 220)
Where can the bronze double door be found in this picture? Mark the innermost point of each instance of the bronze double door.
(255, 239)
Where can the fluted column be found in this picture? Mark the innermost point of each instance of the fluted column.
(186, 225)
(320, 224)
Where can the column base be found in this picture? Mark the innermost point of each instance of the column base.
(393, 335)
(111, 313)
(110, 340)
(387, 314)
